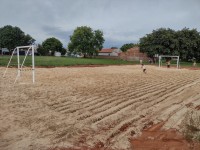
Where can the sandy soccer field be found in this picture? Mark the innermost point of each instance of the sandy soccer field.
(92, 106)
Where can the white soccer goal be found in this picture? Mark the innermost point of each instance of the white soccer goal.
(168, 56)
(20, 66)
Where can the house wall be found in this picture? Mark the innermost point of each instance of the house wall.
(58, 54)
(4, 51)
(133, 54)
(113, 54)
(104, 54)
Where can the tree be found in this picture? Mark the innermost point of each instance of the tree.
(11, 37)
(51, 45)
(188, 43)
(161, 41)
(98, 41)
(86, 41)
(184, 43)
(41, 51)
(63, 52)
(125, 47)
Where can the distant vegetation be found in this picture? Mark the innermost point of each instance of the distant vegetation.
(49, 46)
(125, 47)
(85, 41)
(11, 37)
(185, 43)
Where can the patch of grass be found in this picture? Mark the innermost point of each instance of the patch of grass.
(51, 61)
(63, 61)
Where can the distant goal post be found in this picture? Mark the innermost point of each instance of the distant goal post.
(169, 56)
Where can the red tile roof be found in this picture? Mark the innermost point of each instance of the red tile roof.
(106, 50)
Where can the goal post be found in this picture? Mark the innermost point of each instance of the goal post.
(169, 56)
(20, 66)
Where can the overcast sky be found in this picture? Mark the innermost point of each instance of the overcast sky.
(122, 21)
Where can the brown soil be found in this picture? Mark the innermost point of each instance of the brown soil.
(155, 138)
(197, 107)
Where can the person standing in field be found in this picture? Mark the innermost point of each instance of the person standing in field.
(168, 64)
(194, 62)
(141, 61)
(143, 68)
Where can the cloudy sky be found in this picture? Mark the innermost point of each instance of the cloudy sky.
(122, 21)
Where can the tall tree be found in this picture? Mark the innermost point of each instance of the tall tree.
(51, 45)
(161, 41)
(11, 37)
(86, 41)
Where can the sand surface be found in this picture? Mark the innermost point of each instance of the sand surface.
(77, 107)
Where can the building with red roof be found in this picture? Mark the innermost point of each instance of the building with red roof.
(109, 52)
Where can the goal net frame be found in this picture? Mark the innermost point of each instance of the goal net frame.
(20, 66)
(169, 56)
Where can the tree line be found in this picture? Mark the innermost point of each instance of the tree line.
(86, 41)
(11, 37)
(184, 43)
